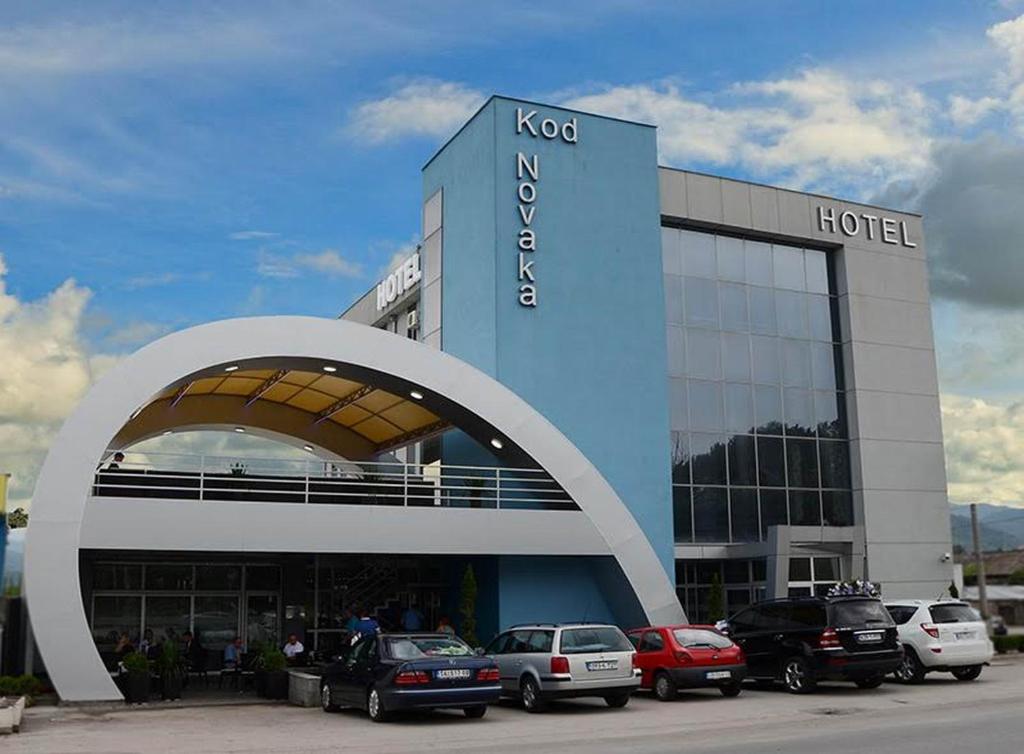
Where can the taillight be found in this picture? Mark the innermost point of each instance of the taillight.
(829, 639)
(488, 674)
(931, 629)
(633, 661)
(411, 678)
(559, 664)
(682, 657)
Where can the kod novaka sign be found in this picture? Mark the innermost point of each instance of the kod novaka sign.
(527, 178)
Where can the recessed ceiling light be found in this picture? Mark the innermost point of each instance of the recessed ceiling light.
(330, 368)
(232, 368)
(416, 394)
(308, 448)
(239, 429)
(497, 444)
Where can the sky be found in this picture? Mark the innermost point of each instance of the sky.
(166, 164)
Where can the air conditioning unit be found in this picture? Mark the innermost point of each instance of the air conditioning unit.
(412, 320)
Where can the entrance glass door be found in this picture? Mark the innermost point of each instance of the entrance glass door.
(262, 619)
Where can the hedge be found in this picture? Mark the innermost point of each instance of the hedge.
(1004, 644)
(20, 685)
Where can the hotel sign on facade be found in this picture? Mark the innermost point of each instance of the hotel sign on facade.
(864, 225)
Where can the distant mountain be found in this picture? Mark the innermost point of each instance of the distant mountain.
(1001, 527)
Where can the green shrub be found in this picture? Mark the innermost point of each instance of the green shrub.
(272, 659)
(135, 662)
(1004, 644)
(20, 685)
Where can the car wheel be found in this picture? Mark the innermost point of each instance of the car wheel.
(910, 670)
(530, 692)
(375, 706)
(869, 683)
(617, 700)
(664, 687)
(730, 689)
(327, 698)
(796, 676)
(967, 673)
(475, 713)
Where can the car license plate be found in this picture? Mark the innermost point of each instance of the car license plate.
(717, 675)
(450, 674)
(869, 638)
(603, 665)
(962, 635)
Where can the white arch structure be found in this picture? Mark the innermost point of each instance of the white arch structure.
(60, 499)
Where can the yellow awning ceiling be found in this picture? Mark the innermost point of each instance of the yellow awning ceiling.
(381, 417)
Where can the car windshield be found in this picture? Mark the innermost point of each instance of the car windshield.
(859, 613)
(603, 639)
(418, 648)
(901, 613)
(954, 613)
(695, 638)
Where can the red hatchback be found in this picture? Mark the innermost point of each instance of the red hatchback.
(687, 657)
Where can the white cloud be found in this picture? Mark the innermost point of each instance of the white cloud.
(966, 112)
(135, 334)
(984, 444)
(421, 108)
(328, 262)
(1008, 36)
(252, 235)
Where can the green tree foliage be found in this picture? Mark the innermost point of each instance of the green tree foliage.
(17, 519)
(1017, 577)
(467, 607)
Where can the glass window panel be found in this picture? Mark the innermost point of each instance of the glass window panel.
(771, 462)
(168, 577)
(837, 508)
(707, 570)
(218, 578)
(702, 354)
(733, 299)
(816, 263)
(677, 404)
(765, 359)
(759, 568)
(799, 569)
(837, 359)
(823, 368)
(730, 258)
(708, 458)
(116, 576)
(705, 405)
(113, 615)
(791, 314)
(745, 526)
(759, 262)
(788, 267)
(835, 464)
(736, 356)
(736, 571)
(774, 512)
(826, 569)
(261, 619)
(671, 251)
(680, 458)
(762, 311)
(768, 409)
(699, 254)
(804, 509)
(710, 514)
(701, 301)
(802, 463)
(828, 414)
(168, 617)
(742, 460)
(216, 620)
(796, 363)
(739, 408)
(681, 514)
(676, 344)
(798, 411)
(737, 599)
(819, 317)
(263, 577)
(674, 299)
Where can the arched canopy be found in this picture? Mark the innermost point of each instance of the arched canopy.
(451, 389)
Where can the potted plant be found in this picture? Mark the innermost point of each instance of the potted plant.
(273, 683)
(171, 671)
(136, 686)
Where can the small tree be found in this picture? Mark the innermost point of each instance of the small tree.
(1017, 577)
(953, 591)
(467, 607)
(716, 600)
(17, 519)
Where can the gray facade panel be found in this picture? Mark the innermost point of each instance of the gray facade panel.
(672, 188)
(736, 209)
(897, 416)
(888, 322)
(704, 198)
(764, 209)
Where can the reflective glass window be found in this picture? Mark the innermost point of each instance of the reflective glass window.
(762, 310)
(836, 508)
(791, 314)
(168, 577)
(701, 302)
(710, 514)
(828, 411)
(774, 510)
(742, 460)
(708, 458)
(788, 267)
(768, 409)
(745, 528)
(816, 264)
(804, 508)
(678, 403)
(681, 514)
(765, 359)
(733, 300)
(676, 344)
(823, 368)
(771, 462)
(705, 405)
(674, 299)
(759, 262)
(802, 463)
(739, 407)
(798, 411)
(730, 259)
(114, 615)
(796, 363)
(819, 318)
(835, 463)
(680, 458)
(671, 251)
(703, 355)
(736, 356)
(698, 254)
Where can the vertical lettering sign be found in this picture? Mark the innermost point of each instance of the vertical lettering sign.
(527, 179)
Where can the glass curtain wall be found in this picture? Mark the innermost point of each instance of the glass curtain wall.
(758, 426)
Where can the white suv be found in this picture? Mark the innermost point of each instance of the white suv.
(544, 661)
(940, 635)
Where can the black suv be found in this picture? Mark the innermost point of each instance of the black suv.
(803, 640)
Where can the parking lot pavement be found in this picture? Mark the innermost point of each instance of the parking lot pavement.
(838, 717)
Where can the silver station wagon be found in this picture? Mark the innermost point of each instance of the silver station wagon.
(545, 661)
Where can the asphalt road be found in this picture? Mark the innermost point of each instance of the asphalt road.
(939, 716)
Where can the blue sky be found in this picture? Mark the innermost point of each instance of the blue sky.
(182, 162)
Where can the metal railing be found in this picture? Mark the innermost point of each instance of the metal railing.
(308, 481)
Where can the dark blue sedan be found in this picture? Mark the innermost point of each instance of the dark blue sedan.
(387, 673)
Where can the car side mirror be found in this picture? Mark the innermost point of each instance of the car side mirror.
(723, 627)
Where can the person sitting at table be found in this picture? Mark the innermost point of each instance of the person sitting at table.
(124, 645)
(445, 626)
(233, 655)
(293, 648)
(147, 645)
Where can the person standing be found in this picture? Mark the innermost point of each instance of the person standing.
(445, 626)
(412, 618)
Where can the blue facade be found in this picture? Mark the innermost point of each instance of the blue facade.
(590, 354)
